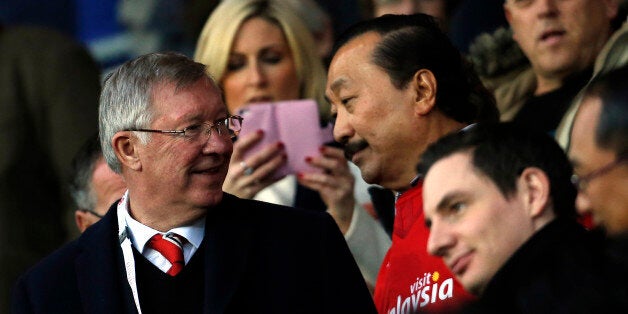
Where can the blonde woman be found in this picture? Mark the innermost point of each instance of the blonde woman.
(260, 51)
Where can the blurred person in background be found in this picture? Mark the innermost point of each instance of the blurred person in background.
(318, 22)
(561, 39)
(599, 154)
(94, 186)
(49, 87)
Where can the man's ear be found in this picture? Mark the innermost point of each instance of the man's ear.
(425, 87)
(125, 146)
(535, 188)
(82, 220)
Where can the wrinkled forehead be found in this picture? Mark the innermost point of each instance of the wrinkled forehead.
(200, 98)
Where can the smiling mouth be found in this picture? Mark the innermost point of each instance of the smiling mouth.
(459, 266)
(208, 171)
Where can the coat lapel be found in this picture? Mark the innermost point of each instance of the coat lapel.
(227, 245)
(99, 269)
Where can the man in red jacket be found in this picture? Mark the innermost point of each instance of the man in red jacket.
(396, 84)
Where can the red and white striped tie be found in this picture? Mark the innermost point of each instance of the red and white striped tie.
(171, 247)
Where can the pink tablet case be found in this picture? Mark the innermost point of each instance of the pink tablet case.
(295, 123)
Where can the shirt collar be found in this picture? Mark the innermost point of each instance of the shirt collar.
(139, 234)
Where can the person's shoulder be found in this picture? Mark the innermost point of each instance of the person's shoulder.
(574, 265)
(51, 285)
(58, 262)
(251, 206)
(263, 213)
(511, 95)
(100, 235)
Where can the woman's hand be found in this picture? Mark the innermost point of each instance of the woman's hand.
(248, 176)
(334, 184)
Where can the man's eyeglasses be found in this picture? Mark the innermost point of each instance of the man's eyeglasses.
(230, 125)
(581, 182)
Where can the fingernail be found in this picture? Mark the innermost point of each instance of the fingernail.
(308, 159)
(284, 156)
(260, 132)
(280, 145)
(321, 149)
(300, 175)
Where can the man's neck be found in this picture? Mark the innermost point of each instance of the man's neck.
(545, 85)
(163, 218)
(434, 128)
(412, 183)
(551, 84)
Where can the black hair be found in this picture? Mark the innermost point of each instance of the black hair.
(612, 129)
(501, 151)
(413, 42)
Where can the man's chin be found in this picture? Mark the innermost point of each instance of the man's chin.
(368, 175)
(207, 198)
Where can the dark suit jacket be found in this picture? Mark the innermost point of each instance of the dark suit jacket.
(558, 270)
(259, 257)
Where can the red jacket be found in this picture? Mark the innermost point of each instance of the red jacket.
(410, 280)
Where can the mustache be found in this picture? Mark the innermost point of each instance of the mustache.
(351, 148)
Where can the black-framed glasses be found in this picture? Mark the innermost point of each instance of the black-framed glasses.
(581, 182)
(92, 212)
(230, 125)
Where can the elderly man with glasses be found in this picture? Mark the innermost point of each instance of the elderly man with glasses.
(175, 242)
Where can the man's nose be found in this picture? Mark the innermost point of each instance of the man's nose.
(546, 8)
(439, 240)
(583, 204)
(342, 128)
(218, 143)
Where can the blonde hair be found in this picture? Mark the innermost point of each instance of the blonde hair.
(216, 39)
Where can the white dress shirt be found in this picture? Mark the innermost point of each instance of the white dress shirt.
(139, 235)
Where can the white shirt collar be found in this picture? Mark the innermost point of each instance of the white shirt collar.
(139, 234)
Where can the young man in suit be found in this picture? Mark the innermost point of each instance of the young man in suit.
(500, 209)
